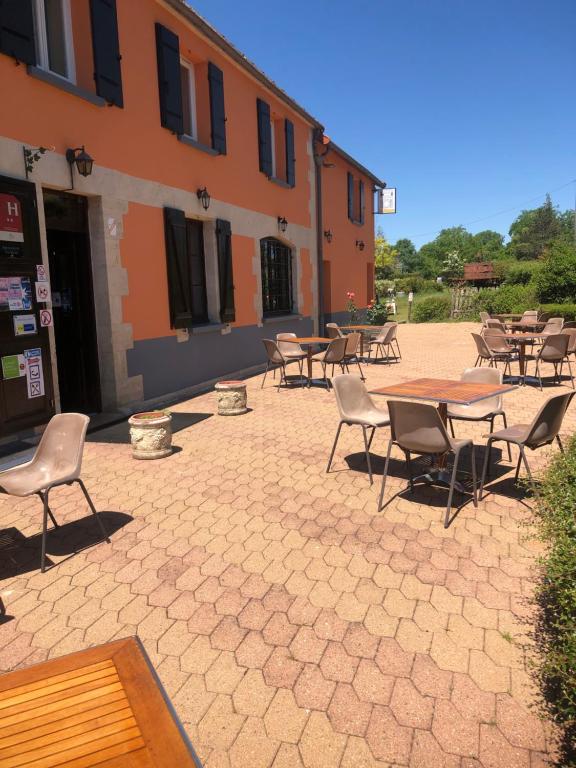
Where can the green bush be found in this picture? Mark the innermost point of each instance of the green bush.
(555, 281)
(556, 594)
(520, 272)
(567, 311)
(376, 314)
(418, 284)
(507, 298)
(432, 309)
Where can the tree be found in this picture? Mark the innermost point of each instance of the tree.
(556, 279)
(488, 245)
(532, 231)
(385, 256)
(452, 240)
(408, 258)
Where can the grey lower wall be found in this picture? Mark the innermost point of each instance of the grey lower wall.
(343, 318)
(167, 365)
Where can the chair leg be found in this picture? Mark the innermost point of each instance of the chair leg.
(371, 437)
(410, 474)
(265, 374)
(451, 423)
(490, 446)
(451, 491)
(93, 509)
(485, 469)
(385, 475)
(301, 363)
(54, 521)
(505, 420)
(474, 477)
(334, 447)
(398, 346)
(516, 474)
(559, 443)
(367, 451)
(360, 369)
(570, 371)
(523, 456)
(44, 498)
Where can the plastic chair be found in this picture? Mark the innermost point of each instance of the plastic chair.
(384, 342)
(543, 430)
(277, 360)
(484, 352)
(485, 410)
(553, 325)
(529, 317)
(351, 356)
(571, 333)
(356, 408)
(418, 428)
(333, 355)
(555, 351)
(57, 461)
(333, 331)
(498, 324)
(484, 317)
(289, 349)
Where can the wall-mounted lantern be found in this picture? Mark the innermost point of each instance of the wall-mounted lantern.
(282, 224)
(360, 244)
(328, 235)
(82, 160)
(204, 196)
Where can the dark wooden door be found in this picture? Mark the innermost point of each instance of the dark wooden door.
(21, 407)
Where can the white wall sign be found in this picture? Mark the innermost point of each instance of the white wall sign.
(42, 291)
(24, 325)
(34, 373)
(46, 319)
(41, 273)
(387, 200)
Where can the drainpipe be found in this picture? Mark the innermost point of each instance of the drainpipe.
(318, 160)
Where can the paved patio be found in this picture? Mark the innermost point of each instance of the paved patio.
(291, 624)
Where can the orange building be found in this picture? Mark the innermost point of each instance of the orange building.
(163, 207)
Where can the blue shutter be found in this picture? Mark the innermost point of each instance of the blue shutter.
(264, 137)
(179, 279)
(350, 196)
(106, 50)
(290, 154)
(17, 30)
(225, 273)
(169, 86)
(217, 110)
(362, 200)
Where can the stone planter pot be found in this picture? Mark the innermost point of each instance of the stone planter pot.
(151, 435)
(231, 398)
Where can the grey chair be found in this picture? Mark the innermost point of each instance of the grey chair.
(352, 352)
(333, 331)
(571, 333)
(485, 410)
(277, 360)
(333, 355)
(484, 317)
(289, 349)
(555, 351)
(484, 353)
(553, 325)
(569, 324)
(357, 408)
(418, 428)
(529, 317)
(384, 344)
(57, 461)
(543, 430)
(494, 323)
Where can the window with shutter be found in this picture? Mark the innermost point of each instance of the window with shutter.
(225, 272)
(188, 88)
(106, 50)
(276, 264)
(54, 46)
(264, 137)
(350, 196)
(17, 30)
(169, 85)
(186, 269)
(290, 154)
(217, 109)
(361, 202)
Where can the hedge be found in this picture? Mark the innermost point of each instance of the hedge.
(567, 311)
(556, 594)
(432, 309)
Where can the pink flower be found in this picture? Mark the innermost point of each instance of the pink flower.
(350, 294)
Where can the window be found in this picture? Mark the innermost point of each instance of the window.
(54, 37)
(276, 154)
(356, 201)
(188, 89)
(186, 269)
(276, 277)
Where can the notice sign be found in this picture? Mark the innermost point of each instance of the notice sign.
(41, 273)
(387, 200)
(34, 372)
(15, 293)
(24, 325)
(13, 366)
(11, 228)
(42, 291)
(46, 319)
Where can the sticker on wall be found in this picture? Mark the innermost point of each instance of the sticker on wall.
(13, 366)
(42, 291)
(19, 292)
(34, 373)
(46, 319)
(11, 227)
(4, 294)
(24, 325)
(41, 273)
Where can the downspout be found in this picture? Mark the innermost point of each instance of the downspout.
(317, 136)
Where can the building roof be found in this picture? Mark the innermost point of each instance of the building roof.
(225, 45)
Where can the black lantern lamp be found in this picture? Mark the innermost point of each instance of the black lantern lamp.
(360, 245)
(82, 160)
(328, 235)
(204, 196)
(282, 224)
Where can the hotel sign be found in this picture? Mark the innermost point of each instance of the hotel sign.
(386, 200)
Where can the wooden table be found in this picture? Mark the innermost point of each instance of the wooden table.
(309, 342)
(524, 325)
(101, 707)
(444, 392)
(522, 339)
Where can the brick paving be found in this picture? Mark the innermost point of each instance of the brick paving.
(292, 624)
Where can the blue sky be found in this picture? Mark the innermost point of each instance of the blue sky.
(467, 106)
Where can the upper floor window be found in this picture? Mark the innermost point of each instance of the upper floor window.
(356, 200)
(188, 89)
(277, 159)
(276, 262)
(55, 51)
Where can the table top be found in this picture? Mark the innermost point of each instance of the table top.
(525, 324)
(444, 390)
(307, 340)
(524, 336)
(103, 706)
(362, 327)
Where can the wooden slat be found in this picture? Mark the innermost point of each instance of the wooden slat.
(444, 390)
(307, 340)
(128, 754)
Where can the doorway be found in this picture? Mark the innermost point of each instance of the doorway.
(72, 301)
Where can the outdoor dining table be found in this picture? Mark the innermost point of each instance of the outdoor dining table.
(521, 340)
(309, 342)
(364, 329)
(100, 707)
(445, 392)
(523, 325)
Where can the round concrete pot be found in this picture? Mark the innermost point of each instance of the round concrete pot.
(151, 435)
(231, 397)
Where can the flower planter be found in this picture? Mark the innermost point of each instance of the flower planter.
(151, 435)
(231, 398)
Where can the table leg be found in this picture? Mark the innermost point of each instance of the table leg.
(309, 363)
(522, 360)
(437, 473)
